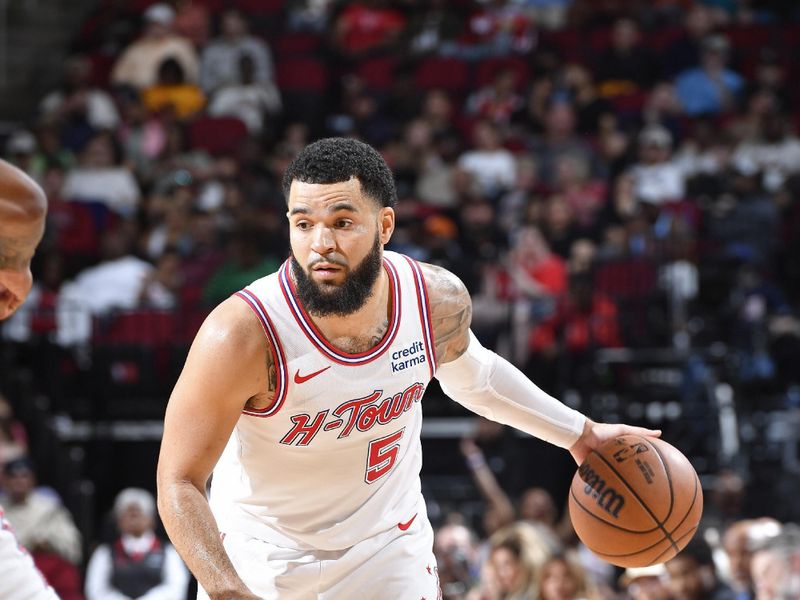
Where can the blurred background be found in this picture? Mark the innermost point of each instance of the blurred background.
(616, 181)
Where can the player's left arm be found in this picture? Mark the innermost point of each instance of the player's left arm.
(492, 387)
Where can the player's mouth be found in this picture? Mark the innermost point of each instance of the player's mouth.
(326, 270)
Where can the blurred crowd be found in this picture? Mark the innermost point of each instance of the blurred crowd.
(601, 174)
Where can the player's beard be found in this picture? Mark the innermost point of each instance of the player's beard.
(325, 300)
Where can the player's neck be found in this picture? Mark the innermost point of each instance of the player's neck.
(360, 328)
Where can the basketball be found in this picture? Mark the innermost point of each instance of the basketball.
(635, 501)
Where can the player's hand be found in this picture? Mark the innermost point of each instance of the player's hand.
(595, 434)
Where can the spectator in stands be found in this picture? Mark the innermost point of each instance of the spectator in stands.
(591, 108)
(220, 61)
(496, 28)
(35, 320)
(142, 135)
(44, 526)
(562, 578)
(558, 225)
(706, 152)
(179, 163)
(645, 583)
(162, 285)
(626, 67)
(435, 24)
(172, 94)
(775, 566)
(433, 169)
(192, 21)
(246, 262)
(657, 179)
(537, 277)
(738, 543)
(498, 100)
(456, 549)
(558, 138)
(100, 177)
(663, 107)
(499, 511)
(21, 149)
(252, 102)
(439, 112)
(775, 151)
(747, 230)
(692, 575)
(517, 554)
(514, 204)
(584, 196)
(537, 505)
(115, 283)
(684, 52)
(13, 437)
(582, 321)
(138, 66)
(366, 28)
(137, 564)
(78, 107)
(711, 87)
(489, 163)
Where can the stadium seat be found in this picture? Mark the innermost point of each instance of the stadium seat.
(217, 135)
(449, 74)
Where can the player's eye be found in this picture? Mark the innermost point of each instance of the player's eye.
(303, 225)
(342, 223)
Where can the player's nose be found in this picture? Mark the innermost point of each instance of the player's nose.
(14, 288)
(323, 241)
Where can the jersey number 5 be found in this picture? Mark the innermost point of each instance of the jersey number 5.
(381, 455)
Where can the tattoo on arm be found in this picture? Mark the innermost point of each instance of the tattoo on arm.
(451, 312)
(272, 373)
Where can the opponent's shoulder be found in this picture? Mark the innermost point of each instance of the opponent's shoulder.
(451, 311)
(21, 198)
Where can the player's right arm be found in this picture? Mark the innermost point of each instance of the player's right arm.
(227, 367)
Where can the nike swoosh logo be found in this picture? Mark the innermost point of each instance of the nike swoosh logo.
(303, 378)
(407, 524)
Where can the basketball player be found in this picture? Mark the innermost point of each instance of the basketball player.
(22, 212)
(302, 392)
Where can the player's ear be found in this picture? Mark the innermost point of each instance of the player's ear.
(386, 220)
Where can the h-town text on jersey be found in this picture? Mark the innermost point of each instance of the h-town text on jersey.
(361, 413)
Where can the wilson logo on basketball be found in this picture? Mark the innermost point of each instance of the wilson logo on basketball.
(607, 498)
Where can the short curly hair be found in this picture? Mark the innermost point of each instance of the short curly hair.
(334, 160)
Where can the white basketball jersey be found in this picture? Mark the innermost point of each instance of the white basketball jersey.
(337, 456)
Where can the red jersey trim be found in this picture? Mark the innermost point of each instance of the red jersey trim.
(278, 356)
(316, 337)
(424, 313)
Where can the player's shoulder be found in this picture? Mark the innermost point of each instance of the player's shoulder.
(443, 285)
(232, 325)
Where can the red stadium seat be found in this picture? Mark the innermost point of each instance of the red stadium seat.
(217, 135)
(302, 74)
(259, 7)
(377, 73)
(137, 327)
(449, 74)
(296, 44)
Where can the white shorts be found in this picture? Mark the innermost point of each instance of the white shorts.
(394, 565)
(19, 578)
